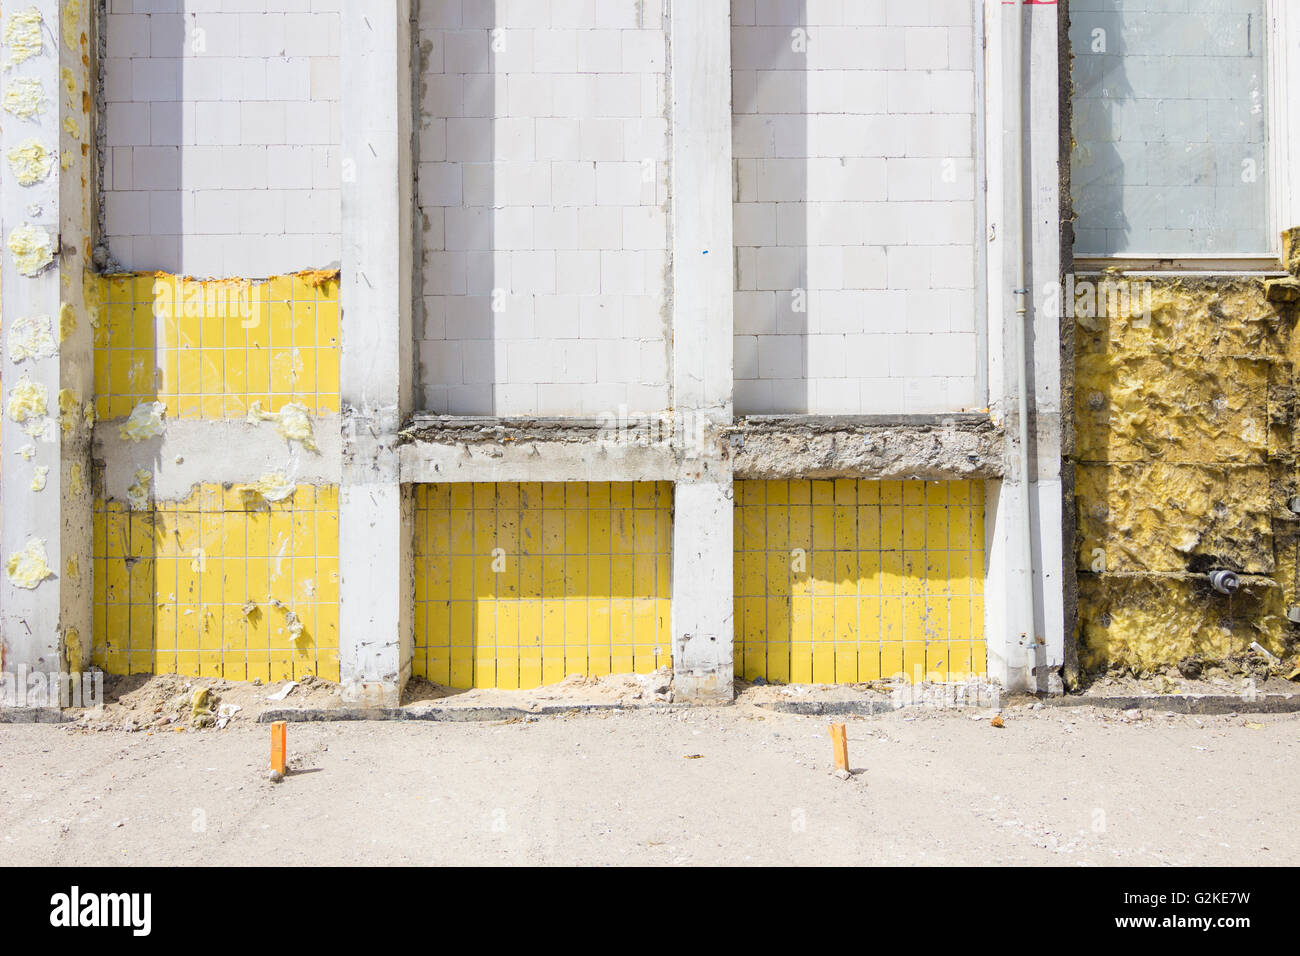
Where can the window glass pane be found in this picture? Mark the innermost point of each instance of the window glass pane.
(1169, 127)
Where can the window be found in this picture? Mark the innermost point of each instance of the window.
(1171, 129)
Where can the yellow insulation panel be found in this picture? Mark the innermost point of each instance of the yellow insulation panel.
(845, 580)
(522, 584)
(222, 584)
(210, 349)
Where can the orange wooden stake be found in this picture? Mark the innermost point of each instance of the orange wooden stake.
(278, 746)
(840, 739)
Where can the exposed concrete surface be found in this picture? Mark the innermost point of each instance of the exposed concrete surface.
(617, 788)
(181, 456)
(942, 448)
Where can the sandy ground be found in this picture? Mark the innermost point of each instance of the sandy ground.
(664, 786)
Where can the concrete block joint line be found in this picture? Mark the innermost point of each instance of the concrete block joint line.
(498, 345)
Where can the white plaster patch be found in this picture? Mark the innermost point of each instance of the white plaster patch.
(23, 34)
(24, 97)
(31, 337)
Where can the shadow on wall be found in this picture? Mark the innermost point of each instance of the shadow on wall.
(522, 584)
(467, 294)
(770, 102)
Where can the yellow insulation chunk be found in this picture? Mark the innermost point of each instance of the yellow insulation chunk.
(30, 162)
(32, 249)
(145, 421)
(30, 566)
(292, 422)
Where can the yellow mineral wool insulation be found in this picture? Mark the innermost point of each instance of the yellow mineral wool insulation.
(137, 495)
(30, 162)
(292, 422)
(24, 97)
(67, 321)
(76, 480)
(1147, 623)
(30, 566)
(273, 486)
(31, 337)
(23, 34)
(69, 409)
(145, 421)
(32, 249)
(28, 406)
(40, 474)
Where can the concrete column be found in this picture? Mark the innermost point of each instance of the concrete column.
(375, 569)
(702, 348)
(1023, 656)
(46, 372)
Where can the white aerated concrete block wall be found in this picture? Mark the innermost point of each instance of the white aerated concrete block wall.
(222, 129)
(1171, 111)
(855, 207)
(542, 191)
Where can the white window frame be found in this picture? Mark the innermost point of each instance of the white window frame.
(1282, 62)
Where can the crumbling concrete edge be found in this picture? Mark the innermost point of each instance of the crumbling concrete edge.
(448, 714)
(1187, 703)
(32, 715)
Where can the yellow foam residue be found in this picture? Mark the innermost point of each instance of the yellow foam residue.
(69, 409)
(137, 495)
(30, 566)
(40, 474)
(76, 481)
(72, 127)
(23, 34)
(24, 97)
(73, 650)
(145, 421)
(69, 85)
(32, 249)
(67, 321)
(292, 422)
(28, 406)
(27, 452)
(71, 21)
(89, 414)
(30, 337)
(73, 568)
(30, 162)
